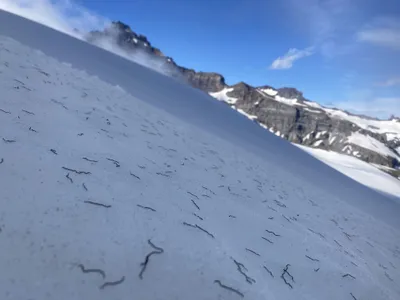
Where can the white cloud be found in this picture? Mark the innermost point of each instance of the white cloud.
(320, 17)
(380, 107)
(62, 15)
(390, 82)
(328, 23)
(382, 32)
(69, 17)
(387, 37)
(286, 61)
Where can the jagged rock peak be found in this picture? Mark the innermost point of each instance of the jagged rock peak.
(206, 81)
(122, 26)
(290, 93)
(265, 87)
(242, 86)
(300, 121)
(125, 30)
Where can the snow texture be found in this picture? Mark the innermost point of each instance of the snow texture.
(313, 110)
(288, 101)
(222, 96)
(251, 117)
(365, 173)
(318, 143)
(319, 134)
(313, 104)
(119, 182)
(368, 142)
(390, 127)
(269, 92)
(308, 136)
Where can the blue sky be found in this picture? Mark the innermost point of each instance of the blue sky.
(338, 52)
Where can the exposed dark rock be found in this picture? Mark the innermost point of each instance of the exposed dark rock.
(301, 123)
(208, 82)
(290, 93)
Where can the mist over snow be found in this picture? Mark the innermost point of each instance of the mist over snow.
(73, 19)
(118, 182)
(61, 15)
(109, 42)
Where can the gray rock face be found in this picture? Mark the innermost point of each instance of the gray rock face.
(301, 123)
(125, 38)
(208, 82)
(309, 126)
(290, 93)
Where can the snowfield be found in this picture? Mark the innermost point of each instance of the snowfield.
(222, 96)
(269, 92)
(370, 143)
(242, 112)
(287, 101)
(365, 173)
(119, 183)
(389, 127)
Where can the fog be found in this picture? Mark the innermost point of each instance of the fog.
(73, 19)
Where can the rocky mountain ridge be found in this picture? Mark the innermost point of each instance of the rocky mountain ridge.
(283, 111)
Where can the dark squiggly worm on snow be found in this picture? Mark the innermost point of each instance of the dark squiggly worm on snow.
(99, 271)
(111, 283)
(158, 250)
(229, 288)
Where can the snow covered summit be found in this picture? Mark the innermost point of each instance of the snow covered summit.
(118, 182)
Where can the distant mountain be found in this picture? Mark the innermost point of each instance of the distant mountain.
(283, 111)
(115, 185)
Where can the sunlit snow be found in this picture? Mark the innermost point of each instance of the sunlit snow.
(269, 92)
(104, 162)
(370, 143)
(359, 170)
(390, 127)
(222, 96)
(312, 110)
(288, 101)
(251, 117)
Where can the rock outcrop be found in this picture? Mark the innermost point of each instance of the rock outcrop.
(283, 111)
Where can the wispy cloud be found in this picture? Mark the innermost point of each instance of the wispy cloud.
(382, 32)
(63, 15)
(286, 61)
(387, 37)
(390, 82)
(69, 17)
(326, 22)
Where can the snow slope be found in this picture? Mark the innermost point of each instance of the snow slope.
(242, 112)
(222, 96)
(391, 128)
(370, 143)
(269, 92)
(359, 170)
(91, 171)
(288, 101)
